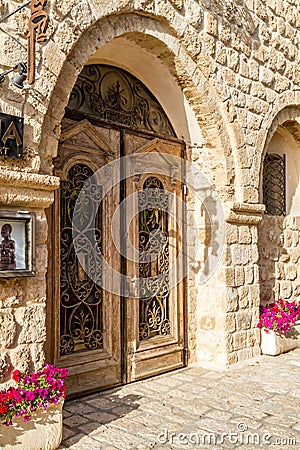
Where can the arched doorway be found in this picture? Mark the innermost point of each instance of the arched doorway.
(107, 338)
(278, 242)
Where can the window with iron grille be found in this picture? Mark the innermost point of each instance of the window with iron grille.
(274, 184)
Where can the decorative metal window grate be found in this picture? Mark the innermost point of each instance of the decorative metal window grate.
(154, 260)
(81, 298)
(274, 184)
(114, 95)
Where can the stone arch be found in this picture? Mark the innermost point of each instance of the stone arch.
(286, 108)
(286, 123)
(196, 88)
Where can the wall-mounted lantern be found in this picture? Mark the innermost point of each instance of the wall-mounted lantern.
(20, 76)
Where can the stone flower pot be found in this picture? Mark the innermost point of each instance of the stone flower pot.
(273, 344)
(42, 432)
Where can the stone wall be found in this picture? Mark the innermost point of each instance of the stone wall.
(243, 291)
(279, 258)
(23, 300)
(237, 65)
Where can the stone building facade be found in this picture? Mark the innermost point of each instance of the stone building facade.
(227, 76)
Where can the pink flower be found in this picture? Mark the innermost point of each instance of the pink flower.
(16, 375)
(279, 316)
(34, 391)
(26, 418)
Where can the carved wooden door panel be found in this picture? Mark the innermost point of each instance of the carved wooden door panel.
(87, 320)
(155, 331)
(108, 336)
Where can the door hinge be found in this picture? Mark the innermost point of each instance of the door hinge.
(185, 356)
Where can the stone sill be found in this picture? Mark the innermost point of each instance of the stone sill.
(27, 189)
(245, 213)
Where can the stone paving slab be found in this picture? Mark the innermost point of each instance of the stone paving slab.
(253, 406)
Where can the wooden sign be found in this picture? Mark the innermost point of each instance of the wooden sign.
(38, 24)
(11, 136)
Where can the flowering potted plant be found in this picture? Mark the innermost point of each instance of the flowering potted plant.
(280, 327)
(33, 406)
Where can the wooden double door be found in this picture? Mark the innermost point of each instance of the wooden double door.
(122, 317)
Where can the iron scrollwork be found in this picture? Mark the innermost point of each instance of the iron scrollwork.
(274, 184)
(154, 260)
(81, 298)
(112, 94)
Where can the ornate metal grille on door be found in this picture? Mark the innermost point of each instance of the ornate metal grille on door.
(81, 298)
(112, 94)
(154, 259)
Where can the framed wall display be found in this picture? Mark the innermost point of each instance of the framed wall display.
(17, 244)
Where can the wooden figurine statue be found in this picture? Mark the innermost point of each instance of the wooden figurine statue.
(7, 249)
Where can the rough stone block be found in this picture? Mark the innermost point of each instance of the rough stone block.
(291, 272)
(296, 290)
(82, 15)
(286, 289)
(245, 235)
(225, 34)
(8, 328)
(295, 238)
(244, 354)
(258, 90)
(253, 70)
(230, 324)
(11, 293)
(249, 274)
(240, 254)
(279, 270)
(288, 238)
(229, 276)
(231, 235)
(239, 276)
(281, 83)
(233, 60)
(239, 340)
(254, 295)
(31, 319)
(21, 358)
(210, 24)
(66, 35)
(221, 55)
(38, 356)
(249, 193)
(243, 293)
(53, 57)
(229, 343)
(231, 300)
(231, 358)
(244, 320)
(295, 256)
(4, 365)
(252, 338)
(244, 84)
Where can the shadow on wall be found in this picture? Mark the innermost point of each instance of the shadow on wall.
(279, 258)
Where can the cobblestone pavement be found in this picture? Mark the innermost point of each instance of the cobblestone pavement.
(257, 405)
